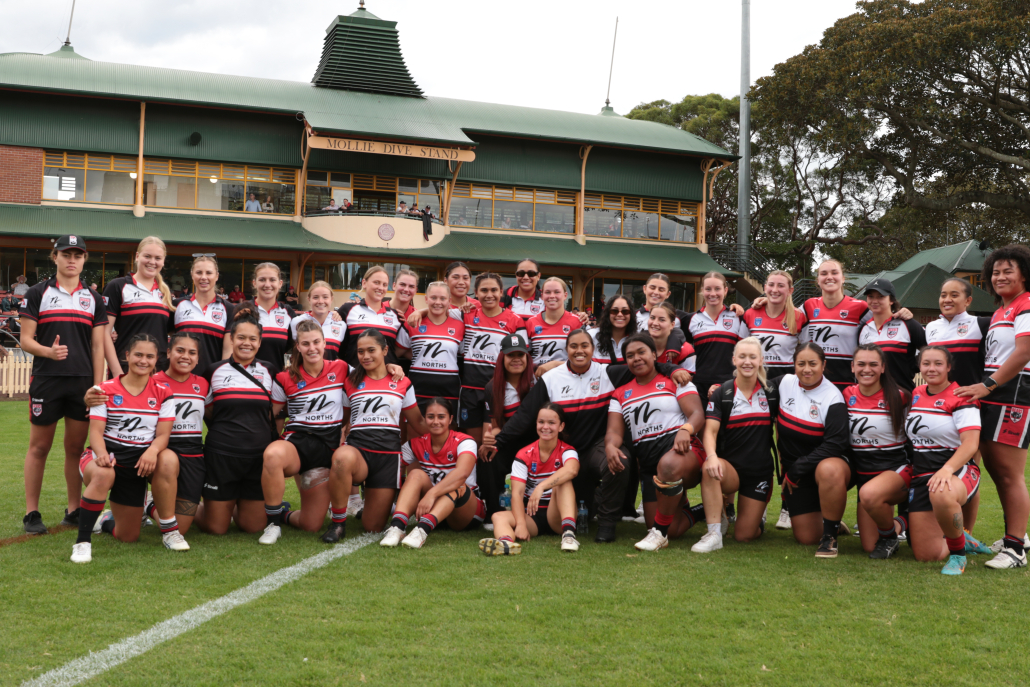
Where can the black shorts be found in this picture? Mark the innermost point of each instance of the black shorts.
(385, 470)
(53, 398)
(648, 464)
(471, 408)
(1005, 424)
(191, 479)
(542, 526)
(919, 492)
(232, 477)
(755, 485)
(129, 488)
(314, 451)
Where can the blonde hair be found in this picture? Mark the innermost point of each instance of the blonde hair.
(320, 285)
(203, 258)
(790, 315)
(753, 341)
(405, 273)
(565, 287)
(373, 269)
(166, 293)
(439, 284)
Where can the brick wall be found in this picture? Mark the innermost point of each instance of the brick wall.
(21, 172)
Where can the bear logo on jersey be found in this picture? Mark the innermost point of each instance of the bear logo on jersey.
(758, 321)
(196, 388)
(892, 332)
(152, 402)
(565, 329)
(1008, 312)
(963, 328)
(727, 323)
(595, 385)
(660, 385)
(422, 329)
(881, 404)
(216, 316)
(85, 301)
(118, 399)
(502, 324)
(1016, 414)
(852, 400)
(813, 412)
(280, 320)
(939, 403)
(843, 314)
(763, 404)
(37, 409)
(331, 376)
(450, 331)
(393, 385)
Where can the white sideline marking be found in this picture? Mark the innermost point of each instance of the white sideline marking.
(82, 669)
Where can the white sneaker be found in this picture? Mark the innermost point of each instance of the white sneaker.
(416, 538)
(710, 542)
(569, 542)
(724, 525)
(174, 540)
(82, 552)
(654, 541)
(393, 537)
(784, 522)
(271, 534)
(355, 504)
(1006, 559)
(104, 517)
(997, 546)
(488, 526)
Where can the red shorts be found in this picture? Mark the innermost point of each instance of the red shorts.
(1005, 424)
(699, 449)
(85, 459)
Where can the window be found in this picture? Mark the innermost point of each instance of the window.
(506, 207)
(639, 218)
(370, 193)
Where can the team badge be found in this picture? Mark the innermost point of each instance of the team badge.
(843, 314)
(892, 332)
(627, 393)
(763, 404)
(280, 320)
(727, 323)
(939, 403)
(84, 302)
(758, 321)
(73, 240)
(537, 330)
(388, 318)
(963, 328)
(331, 376)
(916, 399)
(216, 315)
(595, 385)
(711, 406)
(813, 412)
(107, 301)
(502, 323)
(450, 456)
(565, 329)
(532, 467)
(815, 313)
(852, 401)
(1008, 312)
(450, 331)
(393, 385)
(475, 320)
(881, 404)
(464, 414)
(196, 388)
(361, 386)
(301, 384)
(660, 385)
(422, 329)
(425, 456)
(1016, 414)
(152, 402)
(786, 327)
(535, 309)
(37, 409)
(118, 399)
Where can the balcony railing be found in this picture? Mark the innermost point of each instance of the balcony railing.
(366, 213)
(743, 258)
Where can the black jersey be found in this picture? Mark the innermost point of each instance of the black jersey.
(900, 341)
(812, 424)
(713, 341)
(139, 309)
(240, 423)
(71, 316)
(745, 425)
(276, 338)
(876, 445)
(358, 317)
(965, 336)
(208, 322)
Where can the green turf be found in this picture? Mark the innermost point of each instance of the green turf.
(764, 613)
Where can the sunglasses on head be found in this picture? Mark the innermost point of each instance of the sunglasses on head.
(621, 311)
(526, 273)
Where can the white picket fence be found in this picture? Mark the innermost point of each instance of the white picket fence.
(15, 373)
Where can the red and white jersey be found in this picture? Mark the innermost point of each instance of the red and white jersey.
(376, 406)
(358, 317)
(876, 444)
(440, 463)
(140, 309)
(208, 322)
(934, 425)
(964, 335)
(275, 333)
(778, 344)
(188, 429)
(683, 355)
(1008, 324)
(434, 357)
(131, 421)
(599, 356)
(332, 331)
(547, 341)
(71, 316)
(651, 412)
(314, 405)
(713, 340)
(520, 306)
(835, 330)
(531, 470)
(240, 422)
(482, 344)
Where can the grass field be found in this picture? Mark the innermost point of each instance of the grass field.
(766, 613)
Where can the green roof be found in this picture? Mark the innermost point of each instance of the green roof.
(958, 257)
(332, 110)
(921, 288)
(283, 235)
(363, 53)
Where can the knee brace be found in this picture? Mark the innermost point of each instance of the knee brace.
(460, 496)
(668, 488)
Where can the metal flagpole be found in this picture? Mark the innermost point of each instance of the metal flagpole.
(744, 148)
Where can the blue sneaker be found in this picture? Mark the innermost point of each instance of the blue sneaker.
(974, 545)
(956, 565)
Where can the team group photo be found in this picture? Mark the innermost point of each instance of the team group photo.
(337, 382)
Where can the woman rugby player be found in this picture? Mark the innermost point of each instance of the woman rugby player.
(204, 313)
(899, 340)
(525, 299)
(435, 348)
(713, 331)
(613, 326)
(273, 315)
(334, 329)
(547, 331)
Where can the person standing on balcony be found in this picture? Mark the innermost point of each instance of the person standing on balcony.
(253, 204)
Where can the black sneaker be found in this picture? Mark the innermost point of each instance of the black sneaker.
(827, 547)
(34, 523)
(605, 533)
(334, 533)
(71, 519)
(885, 548)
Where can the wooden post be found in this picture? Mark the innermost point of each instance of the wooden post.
(138, 209)
(302, 183)
(584, 153)
(447, 196)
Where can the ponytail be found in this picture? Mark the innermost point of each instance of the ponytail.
(166, 293)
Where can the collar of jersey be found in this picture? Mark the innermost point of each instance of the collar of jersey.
(568, 366)
(942, 391)
(383, 307)
(753, 391)
(203, 308)
(308, 377)
(52, 281)
(118, 379)
(133, 278)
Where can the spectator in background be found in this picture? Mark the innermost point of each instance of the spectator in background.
(93, 286)
(268, 205)
(428, 211)
(20, 288)
(9, 304)
(236, 296)
(332, 206)
(402, 209)
(348, 206)
(221, 292)
(292, 298)
(253, 204)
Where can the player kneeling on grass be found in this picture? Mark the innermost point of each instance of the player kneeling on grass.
(128, 438)
(738, 441)
(945, 433)
(441, 484)
(546, 469)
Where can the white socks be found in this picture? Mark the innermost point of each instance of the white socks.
(715, 529)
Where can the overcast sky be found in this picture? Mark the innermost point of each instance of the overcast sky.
(552, 54)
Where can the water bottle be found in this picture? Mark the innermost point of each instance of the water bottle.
(583, 519)
(506, 499)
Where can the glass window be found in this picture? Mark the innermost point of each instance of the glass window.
(221, 194)
(318, 178)
(177, 274)
(160, 190)
(471, 212)
(93, 271)
(682, 295)
(275, 198)
(556, 218)
(509, 214)
(600, 222)
(640, 225)
(230, 276)
(116, 265)
(110, 187)
(63, 184)
(679, 228)
(434, 187)
(12, 264)
(38, 265)
(408, 186)
(340, 179)
(350, 274)
(317, 198)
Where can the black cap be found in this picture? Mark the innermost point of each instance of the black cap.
(881, 286)
(513, 343)
(70, 241)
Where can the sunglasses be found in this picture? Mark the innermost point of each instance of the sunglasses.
(526, 273)
(621, 311)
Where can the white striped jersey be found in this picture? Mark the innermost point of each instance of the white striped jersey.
(314, 405)
(1008, 324)
(333, 332)
(713, 341)
(875, 445)
(358, 317)
(745, 432)
(434, 357)
(531, 470)
(965, 336)
(376, 406)
(482, 344)
(651, 412)
(900, 340)
(778, 344)
(275, 333)
(439, 464)
(239, 422)
(511, 400)
(131, 420)
(934, 426)
(599, 356)
(188, 428)
(520, 306)
(71, 316)
(208, 322)
(547, 341)
(835, 330)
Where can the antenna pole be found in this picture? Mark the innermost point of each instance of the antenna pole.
(607, 102)
(68, 39)
(744, 148)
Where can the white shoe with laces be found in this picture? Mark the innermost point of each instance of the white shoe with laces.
(82, 552)
(783, 523)
(416, 538)
(712, 541)
(1007, 558)
(569, 542)
(392, 537)
(271, 534)
(654, 541)
(176, 542)
(997, 546)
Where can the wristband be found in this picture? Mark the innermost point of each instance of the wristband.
(687, 426)
(990, 383)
